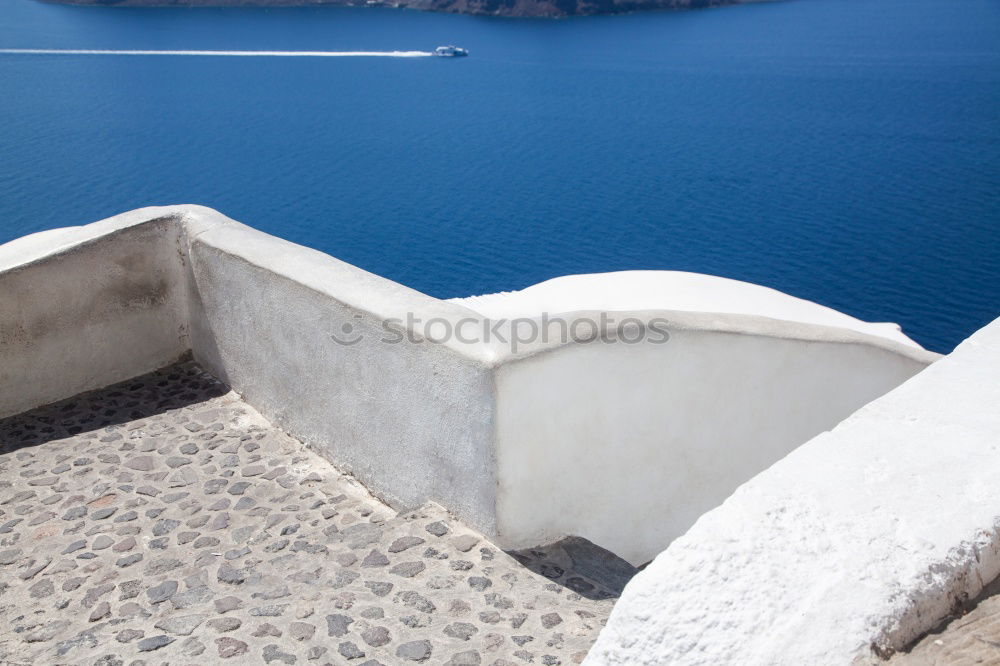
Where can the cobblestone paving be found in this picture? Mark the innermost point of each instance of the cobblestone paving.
(973, 638)
(163, 521)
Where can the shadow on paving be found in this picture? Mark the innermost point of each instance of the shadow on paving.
(581, 566)
(173, 387)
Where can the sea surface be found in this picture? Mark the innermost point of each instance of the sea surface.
(844, 151)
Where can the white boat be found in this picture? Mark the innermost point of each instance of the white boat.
(450, 51)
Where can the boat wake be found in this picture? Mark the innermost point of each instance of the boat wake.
(254, 54)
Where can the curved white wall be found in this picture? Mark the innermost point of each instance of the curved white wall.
(865, 537)
(678, 291)
(627, 445)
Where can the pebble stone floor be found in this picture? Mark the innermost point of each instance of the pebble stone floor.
(164, 521)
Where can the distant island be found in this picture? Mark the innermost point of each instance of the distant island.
(515, 8)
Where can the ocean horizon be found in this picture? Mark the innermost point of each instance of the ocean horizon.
(842, 151)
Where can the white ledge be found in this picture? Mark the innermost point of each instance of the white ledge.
(854, 544)
(669, 290)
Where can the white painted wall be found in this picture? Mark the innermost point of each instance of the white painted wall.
(413, 421)
(85, 307)
(865, 536)
(528, 445)
(629, 444)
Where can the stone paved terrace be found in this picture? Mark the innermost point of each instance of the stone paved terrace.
(164, 521)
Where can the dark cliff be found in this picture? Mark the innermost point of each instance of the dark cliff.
(522, 8)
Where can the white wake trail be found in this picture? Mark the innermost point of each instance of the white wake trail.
(277, 54)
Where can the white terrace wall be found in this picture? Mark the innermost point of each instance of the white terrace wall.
(412, 420)
(856, 543)
(601, 441)
(85, 307)
(627, 444)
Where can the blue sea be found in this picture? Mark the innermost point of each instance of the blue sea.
(844, 151)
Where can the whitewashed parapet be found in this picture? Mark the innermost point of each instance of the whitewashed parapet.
(85, 307)
(531, 443)
(631, 443)
(300, 335)
(850, 547)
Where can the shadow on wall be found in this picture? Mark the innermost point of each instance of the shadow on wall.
(581, 566)
(173, 387)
